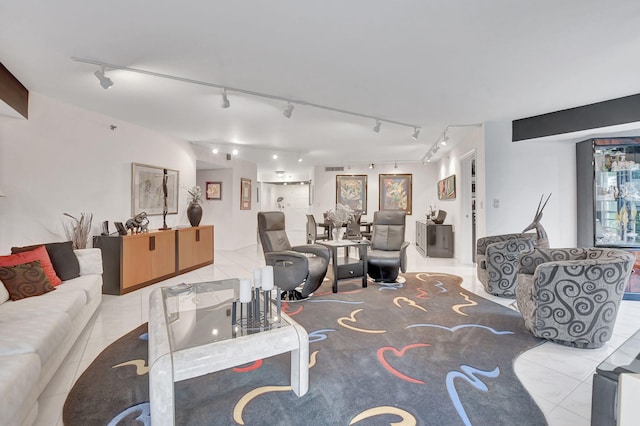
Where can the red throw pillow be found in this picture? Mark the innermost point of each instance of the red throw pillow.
(40, 253)
(25, 280)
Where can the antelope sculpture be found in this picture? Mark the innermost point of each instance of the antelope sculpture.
(497, 256)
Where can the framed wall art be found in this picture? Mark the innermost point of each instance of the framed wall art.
(214, 191)
(395, 192)
(351, 190)
(245, 194)
(447, 188)
(148, 191)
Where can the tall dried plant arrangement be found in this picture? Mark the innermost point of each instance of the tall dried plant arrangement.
(78, 231)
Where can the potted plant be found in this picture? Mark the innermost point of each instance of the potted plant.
(194, 210)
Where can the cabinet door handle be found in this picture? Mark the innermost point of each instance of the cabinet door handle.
(197, 235)
(152, 243)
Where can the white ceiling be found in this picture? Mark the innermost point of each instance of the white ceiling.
(429, 63)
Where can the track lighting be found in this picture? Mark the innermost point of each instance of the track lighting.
(395, 165)
(287, 112)
(225, 99)
(416, 133)
(371, 166)
(299, 159)
(105, 81)
(376, 128)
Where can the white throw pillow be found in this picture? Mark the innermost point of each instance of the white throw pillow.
(90, 260)
(4, 294)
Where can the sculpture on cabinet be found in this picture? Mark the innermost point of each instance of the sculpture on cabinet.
(138, 224)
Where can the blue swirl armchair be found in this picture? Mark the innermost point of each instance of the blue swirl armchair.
(571, 295)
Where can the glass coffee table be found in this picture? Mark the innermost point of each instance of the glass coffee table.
(604, 397)
(194, 330)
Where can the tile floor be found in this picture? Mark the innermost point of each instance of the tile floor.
(559, 378)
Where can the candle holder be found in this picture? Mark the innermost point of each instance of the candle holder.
(257, 314)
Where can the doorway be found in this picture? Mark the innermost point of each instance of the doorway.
(468, 208)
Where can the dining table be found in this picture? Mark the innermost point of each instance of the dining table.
(327, 228)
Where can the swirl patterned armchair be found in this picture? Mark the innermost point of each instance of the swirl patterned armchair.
(497, 255)
(571, 296)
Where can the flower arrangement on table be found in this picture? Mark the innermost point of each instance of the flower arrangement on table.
(195, 194)
(340, 216)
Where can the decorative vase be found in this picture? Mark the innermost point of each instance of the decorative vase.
(337, 231)
(194, 213)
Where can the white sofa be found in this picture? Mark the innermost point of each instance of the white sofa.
(37, 333)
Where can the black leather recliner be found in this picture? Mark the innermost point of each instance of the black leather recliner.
(295, 265)
(388, 251)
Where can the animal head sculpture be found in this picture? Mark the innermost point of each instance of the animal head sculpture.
(543, 240)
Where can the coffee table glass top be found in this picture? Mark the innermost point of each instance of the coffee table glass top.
(202, 313)
(625, 359)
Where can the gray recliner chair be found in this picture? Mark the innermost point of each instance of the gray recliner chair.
(387, 255)
(571, 295)
(292, 265)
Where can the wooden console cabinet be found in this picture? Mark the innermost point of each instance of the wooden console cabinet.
(195, 247)
(439, 240)
(134, 261)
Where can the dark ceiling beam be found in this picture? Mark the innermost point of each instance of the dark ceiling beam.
(593, 116)
(13, 93)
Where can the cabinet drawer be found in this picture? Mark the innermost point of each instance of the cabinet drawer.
(350, 271)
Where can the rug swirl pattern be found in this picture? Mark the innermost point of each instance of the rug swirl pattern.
(425, 351)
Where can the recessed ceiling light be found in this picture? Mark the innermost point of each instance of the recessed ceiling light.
(235, 151)
(274, 156)
(214, 150)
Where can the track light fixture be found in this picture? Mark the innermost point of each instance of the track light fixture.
(416, 133)
(371, 166)
(225, 99)
(287, 112)
(105, 81)
(376, 128)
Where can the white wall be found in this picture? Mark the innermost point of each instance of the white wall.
(65, 159)
(424, 179)
(518, 173)
(233, 228)
(295, 204)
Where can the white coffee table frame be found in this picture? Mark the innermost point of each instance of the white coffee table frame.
(167, 367)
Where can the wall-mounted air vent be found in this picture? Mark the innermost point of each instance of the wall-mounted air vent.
(334, 169)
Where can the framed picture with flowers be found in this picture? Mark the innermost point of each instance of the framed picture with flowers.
(351, 190)
(214, 190)
(395, 192)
